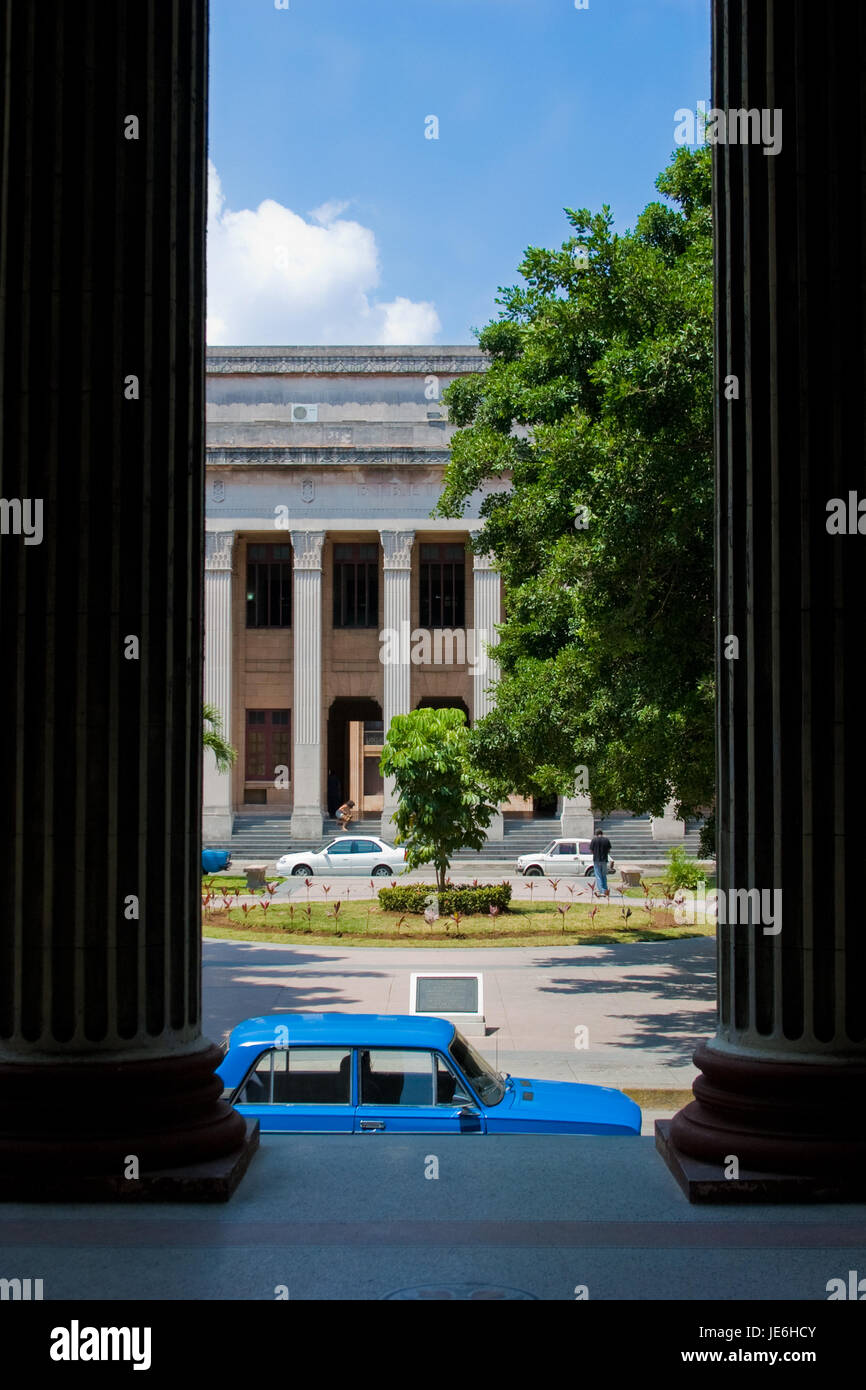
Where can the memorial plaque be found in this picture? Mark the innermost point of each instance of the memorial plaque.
(447, 994)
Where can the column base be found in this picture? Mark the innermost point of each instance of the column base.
(668, 828)
(212, 1181)
(496, 828)
(216, 828)
(306, 823)
(706, 1182)
(799, 1123)
(387, 828)
(75, 1119)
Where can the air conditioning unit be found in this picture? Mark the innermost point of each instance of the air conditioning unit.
(302, 414)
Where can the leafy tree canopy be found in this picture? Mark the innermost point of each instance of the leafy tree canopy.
(596, 414)
(444, 805)
(214, 738)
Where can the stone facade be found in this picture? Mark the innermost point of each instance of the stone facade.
(313, 449)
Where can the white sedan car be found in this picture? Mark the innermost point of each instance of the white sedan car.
(347, 854)
(558, 858)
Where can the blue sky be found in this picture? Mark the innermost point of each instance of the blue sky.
(332, 219)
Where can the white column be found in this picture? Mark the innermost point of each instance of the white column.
(307, 708)
(217, 807)
(488, 613)
(667, 827)
(397, 617)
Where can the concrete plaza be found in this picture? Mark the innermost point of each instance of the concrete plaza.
(355, 1218)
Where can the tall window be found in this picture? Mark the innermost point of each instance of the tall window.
(269, 586)
(443, 585)
(267, 743)
(356, 585)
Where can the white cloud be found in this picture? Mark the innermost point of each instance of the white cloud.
(329, 212)
(274, 278)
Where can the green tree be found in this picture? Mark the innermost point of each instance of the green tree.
(444, 804)
(214, 739)
(597, 412)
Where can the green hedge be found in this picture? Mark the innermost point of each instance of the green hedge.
(461, 897)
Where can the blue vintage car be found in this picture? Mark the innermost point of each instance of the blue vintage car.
(340, 1073)
(212, 860)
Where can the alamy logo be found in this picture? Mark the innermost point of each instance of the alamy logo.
(20, 1289)
(738, 126)
(438, 646)
(76, 1343)
(854, 1289)
(22, 516)
(847, 518)
(746, 906)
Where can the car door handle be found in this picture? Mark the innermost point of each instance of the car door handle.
(372, 1124)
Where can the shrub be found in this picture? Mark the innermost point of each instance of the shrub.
(682, 872)
(463, 898)
(409, 897)
(469, 900)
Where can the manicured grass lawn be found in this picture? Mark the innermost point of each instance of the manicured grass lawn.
(671, 1100)
(232, 883)
(655, 887)
(364, 923)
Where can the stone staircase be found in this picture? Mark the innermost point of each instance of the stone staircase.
(631, 839)
(267, 837)
(260, 837)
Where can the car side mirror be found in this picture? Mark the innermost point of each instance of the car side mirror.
(468, 1109)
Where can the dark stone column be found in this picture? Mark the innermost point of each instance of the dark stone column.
(102, 275)
(782, 1084)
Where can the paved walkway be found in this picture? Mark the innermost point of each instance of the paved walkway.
(618, 1015)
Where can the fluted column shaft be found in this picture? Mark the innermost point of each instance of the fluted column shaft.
(102, 218)
(307, 710)
(488, 614)
(487, 609)
(782, 1079)
(217, 816)
(397, 620)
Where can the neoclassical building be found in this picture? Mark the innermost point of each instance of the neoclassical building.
(334, 600)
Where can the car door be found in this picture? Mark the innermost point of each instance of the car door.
(412, 1091)
(364, 857)
(565, 861)
(338, 857)
(292, 1090)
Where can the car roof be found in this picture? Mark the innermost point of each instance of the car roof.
(338, 839)
(351, 1030)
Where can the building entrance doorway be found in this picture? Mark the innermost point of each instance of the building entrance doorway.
(356, 734)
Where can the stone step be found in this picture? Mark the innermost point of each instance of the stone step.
(631, 838)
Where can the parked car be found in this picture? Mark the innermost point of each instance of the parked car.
(339, 1073)
(560, 857)
(347, 854)
(212, 860)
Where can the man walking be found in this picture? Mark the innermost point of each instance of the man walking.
(599, 848)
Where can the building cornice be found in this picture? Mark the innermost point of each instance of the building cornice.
(256, 457)
(307, 361)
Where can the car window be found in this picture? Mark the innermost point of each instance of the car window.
(478, 1073)
(341, 847)
(549, 848)
(395, 1076)
(449, 1089)
(583, 846)
(567, 847)
(299, 1076)
(364, 847)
